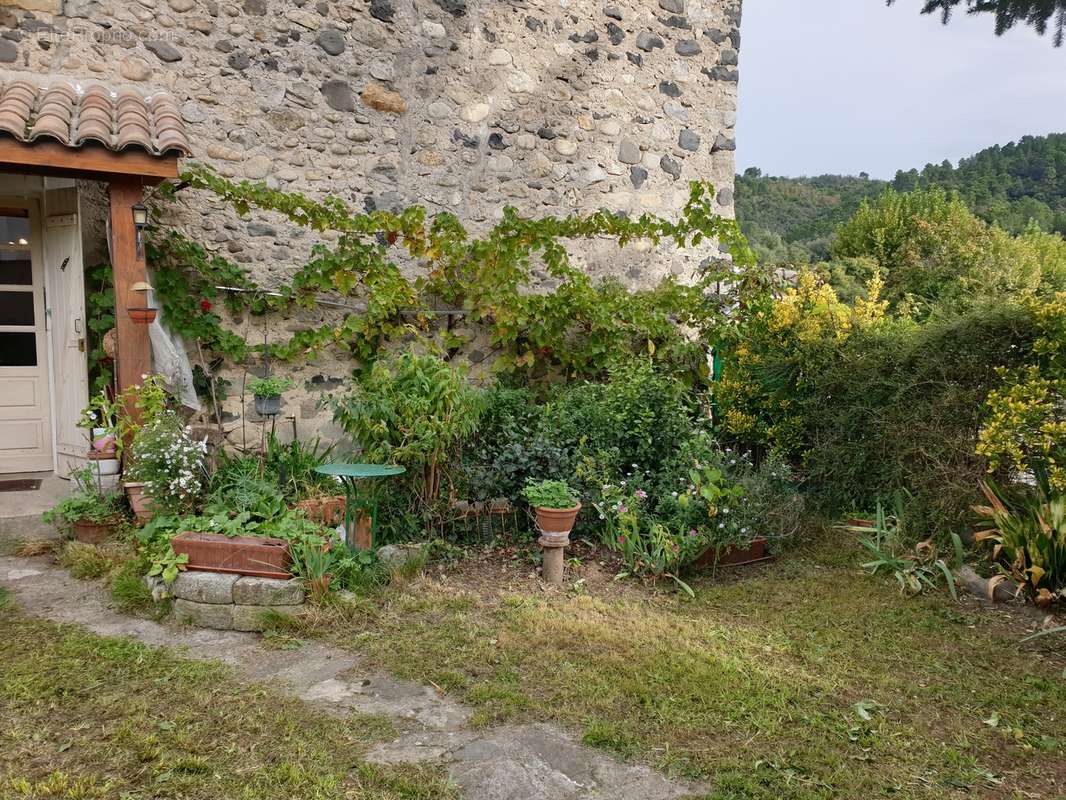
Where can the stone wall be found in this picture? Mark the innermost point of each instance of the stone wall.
(552, 106)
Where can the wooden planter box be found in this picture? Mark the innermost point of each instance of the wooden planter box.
(734, 556)
(261, 556)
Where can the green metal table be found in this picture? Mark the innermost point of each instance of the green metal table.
(355, 501)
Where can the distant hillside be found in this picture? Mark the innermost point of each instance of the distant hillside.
(793, 219)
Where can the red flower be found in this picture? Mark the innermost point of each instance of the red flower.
(205, 305)
(391, 237)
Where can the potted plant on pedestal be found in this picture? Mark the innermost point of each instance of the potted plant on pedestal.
(268, 393)
(89, 512)
(100, 419)
(556, 507)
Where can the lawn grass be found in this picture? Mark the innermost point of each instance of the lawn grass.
(83, 716)
(805, 679)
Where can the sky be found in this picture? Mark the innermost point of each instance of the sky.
(850, 86)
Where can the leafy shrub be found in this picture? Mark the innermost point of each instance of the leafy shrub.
(639, 413)
(513, 445)
(1028, 534)
(412, 410)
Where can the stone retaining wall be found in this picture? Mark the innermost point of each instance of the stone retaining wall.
(552, 106)
(232, 602)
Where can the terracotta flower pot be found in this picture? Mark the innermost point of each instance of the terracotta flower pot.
(557, 521)
(93, 532)
(732, 556)
(329, 512)
(262, 556)
(144, 316)
(139, 501)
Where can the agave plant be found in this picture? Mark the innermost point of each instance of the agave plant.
(1028, 538)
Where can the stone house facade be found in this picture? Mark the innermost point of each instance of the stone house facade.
(551, 106)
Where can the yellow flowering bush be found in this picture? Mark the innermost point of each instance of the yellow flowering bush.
(1025, 425)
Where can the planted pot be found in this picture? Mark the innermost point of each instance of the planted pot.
(140, 503)
(104, 463)
(327, 511)
(90, 532)
(734, 555)
(261, 556)
(556, 522)
(267, 405)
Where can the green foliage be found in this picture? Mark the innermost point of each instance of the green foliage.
(100, 318)
(550, 494)
(87, 502)
(412, 410)
(916, 568)
(933, 252)
(576, 329)
(168, 565)
(515, 442)
(1027, 531)
(270, 386)
(869, 404)
(1018, 187)
(639, 413)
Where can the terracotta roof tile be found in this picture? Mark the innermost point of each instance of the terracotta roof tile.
(73, 113)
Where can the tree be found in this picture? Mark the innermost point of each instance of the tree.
(1008, 13)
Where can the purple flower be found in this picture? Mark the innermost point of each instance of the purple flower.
(692, 532)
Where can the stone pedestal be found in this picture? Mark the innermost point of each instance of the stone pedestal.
(233, 602)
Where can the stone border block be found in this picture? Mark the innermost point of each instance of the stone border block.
(252, 591)
(204, 587)
(250, 618)
(204, 615)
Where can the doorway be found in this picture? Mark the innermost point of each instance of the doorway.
(26, 443)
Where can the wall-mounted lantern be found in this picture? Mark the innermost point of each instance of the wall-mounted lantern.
(140, 304)
(140, 222)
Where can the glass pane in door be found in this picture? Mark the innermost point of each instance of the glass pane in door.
(15, 267)
(16, 308)
(18, 349)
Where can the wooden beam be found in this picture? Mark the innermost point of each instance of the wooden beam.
(91, 161)
(133, 348)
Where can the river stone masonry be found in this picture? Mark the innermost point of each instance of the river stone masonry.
(466, 106)
(231, 602)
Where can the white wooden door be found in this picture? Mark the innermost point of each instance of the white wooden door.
(25, 412)
(66, 319)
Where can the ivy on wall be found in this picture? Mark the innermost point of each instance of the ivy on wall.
(575, 328)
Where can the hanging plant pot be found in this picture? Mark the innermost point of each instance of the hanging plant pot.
(140, 503)
(144, 316)
(262, 556)
(267, 405)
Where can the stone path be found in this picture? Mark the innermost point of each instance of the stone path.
(513, 762)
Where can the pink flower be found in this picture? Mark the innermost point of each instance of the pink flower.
(621, 540)
(641, 494)
(692, 532)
